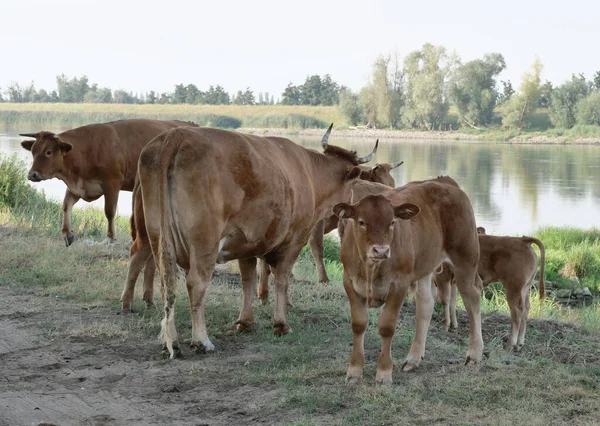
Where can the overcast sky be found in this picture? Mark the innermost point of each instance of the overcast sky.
(149, 45)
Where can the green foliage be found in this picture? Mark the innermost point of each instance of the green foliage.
(350, 107)
(546, 95)
(426, 71)
(473, 89)
(244, 98)
(521, 106)
(314, 91)
(507, 92)
(588, 110)
(565, 99)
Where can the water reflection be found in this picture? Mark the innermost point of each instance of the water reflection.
(514, 189)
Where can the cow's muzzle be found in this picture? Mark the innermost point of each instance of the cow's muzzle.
(379, 252)
(34, 176)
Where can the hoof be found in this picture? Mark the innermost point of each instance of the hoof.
(324, 281)
(126, 311)
(280, 328)
(149, 303)
(353, 380)
(243, 326)
(202, 348)
(176, 352)
(409, 366)
(69, 240)
(383, 382)
(471, 361)
(264, 300)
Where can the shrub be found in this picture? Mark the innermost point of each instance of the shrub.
(588, 110)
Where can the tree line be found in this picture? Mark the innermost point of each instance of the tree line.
(415, 92)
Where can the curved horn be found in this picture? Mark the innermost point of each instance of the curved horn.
(361, 160)
(28, 135)
(326, 136)
(394, 165)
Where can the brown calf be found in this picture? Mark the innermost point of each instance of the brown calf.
(510, 261)
(400, 237)
(379, 173)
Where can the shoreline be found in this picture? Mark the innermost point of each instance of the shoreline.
(452, 135)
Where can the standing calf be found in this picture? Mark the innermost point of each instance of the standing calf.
(397, 238)
(510, 261)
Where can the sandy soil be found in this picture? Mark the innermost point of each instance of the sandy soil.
(46, 378)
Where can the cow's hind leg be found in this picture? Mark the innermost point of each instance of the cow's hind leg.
(425, 302)
(263, 283)
(68, 203)
(516, 303)
(149, 272)
(469, 285)
(282, 273)
(198, 282)
(525, 315)
(317, 248)
(111, 198)
(452, 307)
(444, 292)
(139, 257)
(248, 272)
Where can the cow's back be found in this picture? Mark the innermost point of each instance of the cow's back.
(106, 150)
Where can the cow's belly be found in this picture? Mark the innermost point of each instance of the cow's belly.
(87, 190)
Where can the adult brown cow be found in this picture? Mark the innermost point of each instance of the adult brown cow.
(211, 196)
(510, 261)
(93, 160)
(379, 173)
(400, 237)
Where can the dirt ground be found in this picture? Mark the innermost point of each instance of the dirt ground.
(77, 380)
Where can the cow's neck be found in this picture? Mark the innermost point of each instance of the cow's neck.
(329, 183)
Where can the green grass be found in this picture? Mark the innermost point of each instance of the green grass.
(303, 372)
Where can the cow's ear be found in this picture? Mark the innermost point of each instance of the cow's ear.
(27, 144)
(64, 147)
(406, 211)
(344, 211)
(481, 230)
(353, 173)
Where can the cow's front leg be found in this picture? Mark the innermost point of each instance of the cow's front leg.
(360, 318)
(282, 272)
(68, 203)
(317, 249)
(111, 198)
(387, 329)
(424, 302)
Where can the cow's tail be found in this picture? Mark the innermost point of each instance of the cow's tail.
(132, 219)
(530, 240)
(167, 256)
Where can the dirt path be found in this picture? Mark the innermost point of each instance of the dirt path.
(46, 376)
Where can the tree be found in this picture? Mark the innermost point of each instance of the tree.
(72, 90)
(426, 71)
(588, 109)
(245, 98)
(546, 95)
(179, 95)
(151, 97)
(565, 98)
(123, 97)
(350, 107)
(216, 96)
(507, 92)
(521, 106)
(473, 89)
(193, 95)
(100, 96)
(15, 93)
(368, 104)
(291, 95)
(596, 81)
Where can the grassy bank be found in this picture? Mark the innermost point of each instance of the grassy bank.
(29, 117)
(72, 303)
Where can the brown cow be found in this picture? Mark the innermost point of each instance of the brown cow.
(379, 173)
(93, 160)
(510, 261)
(211, 196)
(397, 238)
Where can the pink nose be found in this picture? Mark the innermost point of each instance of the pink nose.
(381, 251)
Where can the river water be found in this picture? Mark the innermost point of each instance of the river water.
(514, 189)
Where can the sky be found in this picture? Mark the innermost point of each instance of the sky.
(148, 45)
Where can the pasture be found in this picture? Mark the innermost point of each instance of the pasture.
(69, 357)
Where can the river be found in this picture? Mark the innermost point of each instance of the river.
(514, 189)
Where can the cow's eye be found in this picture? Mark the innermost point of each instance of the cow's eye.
(361, 222)
(48, 153)
(392, 224)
